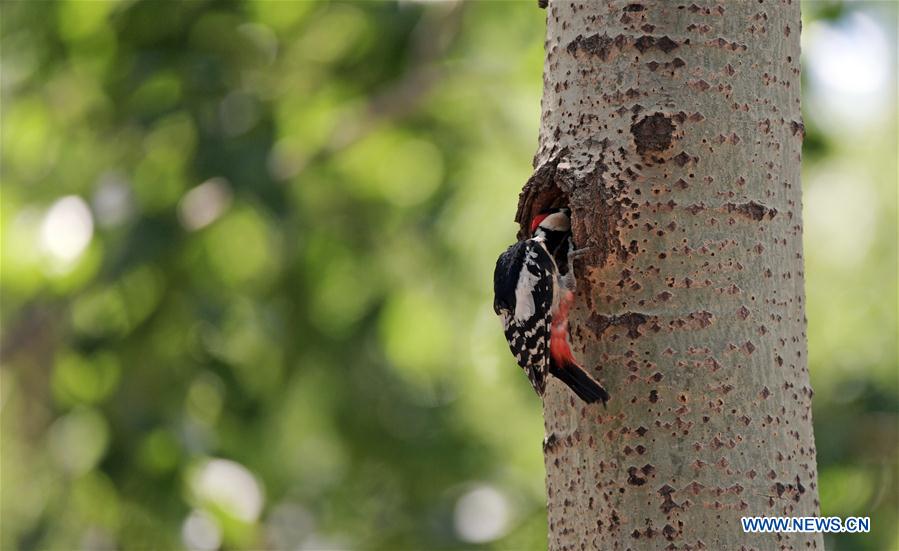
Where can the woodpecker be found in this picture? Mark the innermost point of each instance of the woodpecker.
(533, 292)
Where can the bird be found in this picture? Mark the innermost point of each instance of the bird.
(532, 295)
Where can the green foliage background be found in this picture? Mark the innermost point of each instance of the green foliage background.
(326, 325)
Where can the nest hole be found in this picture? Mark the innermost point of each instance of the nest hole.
(536, 200)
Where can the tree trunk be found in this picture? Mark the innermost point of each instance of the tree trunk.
(673, 131)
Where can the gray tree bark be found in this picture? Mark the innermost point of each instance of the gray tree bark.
(673, 131)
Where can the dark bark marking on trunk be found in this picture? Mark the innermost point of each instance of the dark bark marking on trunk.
(595, 44)
(598, 323)
(652, 133)
(752, 209)
(605, 47)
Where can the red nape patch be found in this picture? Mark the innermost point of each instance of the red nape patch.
(559, 349)
(536, 222)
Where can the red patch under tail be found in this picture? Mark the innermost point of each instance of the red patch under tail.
(559, 349)
(562, 363)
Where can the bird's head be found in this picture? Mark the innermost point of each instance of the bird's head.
(553, 220)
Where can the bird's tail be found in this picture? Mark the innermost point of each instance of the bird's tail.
(580, 382)
(562, 364)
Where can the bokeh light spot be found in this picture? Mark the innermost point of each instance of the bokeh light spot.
(228, 486)
(66, 231)
(200, 532)
(78, 440)
(203, 204)
(482, 514)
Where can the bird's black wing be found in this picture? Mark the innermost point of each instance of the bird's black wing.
(508, 265)
(523, 299)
